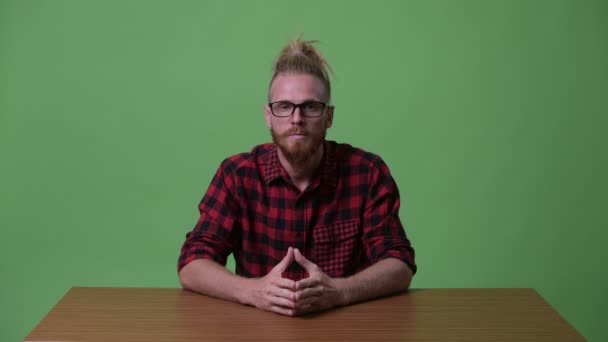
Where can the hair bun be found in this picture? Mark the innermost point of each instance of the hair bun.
(300, 56)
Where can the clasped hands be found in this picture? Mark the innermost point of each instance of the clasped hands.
(292, 298)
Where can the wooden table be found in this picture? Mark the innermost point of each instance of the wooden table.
(148, 314)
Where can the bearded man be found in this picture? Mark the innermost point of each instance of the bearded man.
(313, 224)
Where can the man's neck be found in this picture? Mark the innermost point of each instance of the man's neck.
(301, 174)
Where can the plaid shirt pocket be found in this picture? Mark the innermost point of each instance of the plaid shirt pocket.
(336, 246)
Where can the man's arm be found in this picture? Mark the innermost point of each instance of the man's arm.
(320, 292)
(204, 253)
(270, 293)
(385, 244)
(212, 279)
(385, 277)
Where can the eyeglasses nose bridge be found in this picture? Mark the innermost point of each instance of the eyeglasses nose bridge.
(301, 112)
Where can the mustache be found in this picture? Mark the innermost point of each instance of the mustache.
(297, 131)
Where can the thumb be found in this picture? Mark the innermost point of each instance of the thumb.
(307, 264)
(287, 260)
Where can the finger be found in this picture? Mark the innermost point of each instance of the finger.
(282, 293)
(287, 260)
(281, 310)
(306, 283)
(306, 302)
(282, 302)
(284, 283)
(308, 292)
(303, 310)
(307, 264)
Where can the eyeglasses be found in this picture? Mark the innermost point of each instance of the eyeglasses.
(311, 109)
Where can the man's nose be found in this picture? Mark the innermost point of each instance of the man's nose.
(296, 117)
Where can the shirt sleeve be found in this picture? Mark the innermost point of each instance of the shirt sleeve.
(213, 236)
(383, 233)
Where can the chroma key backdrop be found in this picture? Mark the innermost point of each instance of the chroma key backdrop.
(492, 116)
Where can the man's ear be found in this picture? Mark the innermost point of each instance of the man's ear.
(267, 115)
(330, 116)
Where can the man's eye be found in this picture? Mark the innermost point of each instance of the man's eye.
(312, 106)
(284, 106)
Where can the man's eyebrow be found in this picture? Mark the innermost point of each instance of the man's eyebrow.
(305, 101)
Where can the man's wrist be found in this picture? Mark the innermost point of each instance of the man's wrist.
(245, 293)
(344, 291)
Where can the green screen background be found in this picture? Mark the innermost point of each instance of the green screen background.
(114, 116)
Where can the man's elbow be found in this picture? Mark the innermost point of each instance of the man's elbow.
(405, 275)
(185, 277)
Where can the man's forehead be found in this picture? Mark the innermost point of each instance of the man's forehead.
(297, 86)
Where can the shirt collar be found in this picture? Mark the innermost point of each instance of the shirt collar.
(328, 172)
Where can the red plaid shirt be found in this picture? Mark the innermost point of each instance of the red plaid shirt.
(346, 220)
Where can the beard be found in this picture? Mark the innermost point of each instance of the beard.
(298, 152)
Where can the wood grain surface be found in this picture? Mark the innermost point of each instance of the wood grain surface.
(152, 314)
